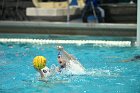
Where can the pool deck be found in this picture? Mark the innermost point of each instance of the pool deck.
(63, 28)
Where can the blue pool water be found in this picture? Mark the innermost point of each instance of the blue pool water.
(105, 70)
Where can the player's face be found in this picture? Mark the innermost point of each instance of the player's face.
(61, 61)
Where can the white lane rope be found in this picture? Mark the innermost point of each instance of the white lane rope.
(78, 42)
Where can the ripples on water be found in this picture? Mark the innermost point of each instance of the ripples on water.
(105, 71)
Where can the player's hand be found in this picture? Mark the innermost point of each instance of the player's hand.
(60, 48)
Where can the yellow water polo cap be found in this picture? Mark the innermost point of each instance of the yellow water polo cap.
(39, 62)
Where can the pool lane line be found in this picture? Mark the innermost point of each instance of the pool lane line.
(78, 42)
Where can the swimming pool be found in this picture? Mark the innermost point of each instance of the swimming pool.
(105, 71)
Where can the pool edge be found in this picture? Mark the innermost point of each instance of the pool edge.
(100, 29)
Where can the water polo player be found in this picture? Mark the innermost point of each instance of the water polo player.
(135, 58)
(66, 60)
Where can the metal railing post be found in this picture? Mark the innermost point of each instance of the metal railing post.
(138, 22)
(68, 11)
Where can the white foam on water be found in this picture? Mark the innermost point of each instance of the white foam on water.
(75, 68)
(101, 73)
(92, 73)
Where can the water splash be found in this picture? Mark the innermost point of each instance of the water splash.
(101, 73)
